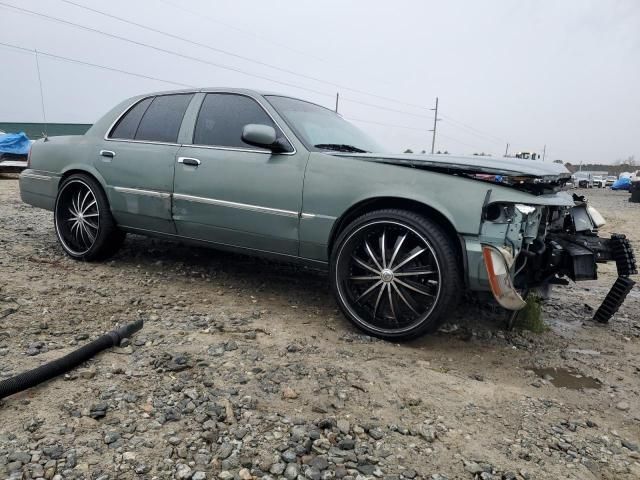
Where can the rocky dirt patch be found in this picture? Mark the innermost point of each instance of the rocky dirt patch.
(245, 369)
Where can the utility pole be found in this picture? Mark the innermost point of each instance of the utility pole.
(506, 151)
(337, 100)
(544, 153)
(435, 122)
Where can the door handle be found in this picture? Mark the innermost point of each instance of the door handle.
(107, 153)
(193, 162)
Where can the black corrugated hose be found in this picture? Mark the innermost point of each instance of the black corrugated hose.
(62, 365)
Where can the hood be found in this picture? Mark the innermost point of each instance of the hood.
(512, 167)
(530, 176)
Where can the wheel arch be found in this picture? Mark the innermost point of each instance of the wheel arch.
(86, 170)
(415, 206)
(90, 172)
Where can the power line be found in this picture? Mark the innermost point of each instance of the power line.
(472, 129)
(158, 79)
(406, 127)
(198, 44)
(148, 77)
(386, 124)
(381, 107)
(475, 147)
(81, 62)
(160, 49)
(242, 57)
(226, 67)
(201, 60)
(200, 15)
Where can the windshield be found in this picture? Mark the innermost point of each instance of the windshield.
(322, 129)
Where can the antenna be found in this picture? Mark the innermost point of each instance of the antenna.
(44, 115)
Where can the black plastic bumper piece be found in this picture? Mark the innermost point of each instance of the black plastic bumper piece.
(62, 365)
(622, 252)
(614, 299)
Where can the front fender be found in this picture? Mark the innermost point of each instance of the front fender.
(333, 185)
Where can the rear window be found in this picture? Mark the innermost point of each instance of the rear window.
(128, 124)
(162, 119)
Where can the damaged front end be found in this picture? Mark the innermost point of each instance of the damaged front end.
(532, 233)
(526, 247)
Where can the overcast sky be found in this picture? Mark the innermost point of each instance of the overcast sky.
(565, 74)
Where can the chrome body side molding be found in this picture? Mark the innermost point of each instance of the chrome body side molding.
(137, 191)
(242, 206)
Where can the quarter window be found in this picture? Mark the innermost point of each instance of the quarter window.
(128, 124)
(222, 118)
(161, 122)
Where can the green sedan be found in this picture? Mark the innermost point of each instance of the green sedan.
(402, 236)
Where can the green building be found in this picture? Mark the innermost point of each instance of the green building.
(36, 130)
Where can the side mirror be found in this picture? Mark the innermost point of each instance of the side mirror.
(262, 136)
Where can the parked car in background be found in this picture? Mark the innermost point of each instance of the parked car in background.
(599, 181)
(402, 236)
(610, 180)
(583, 180)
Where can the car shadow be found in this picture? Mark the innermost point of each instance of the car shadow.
(238, 270)
(471, 320)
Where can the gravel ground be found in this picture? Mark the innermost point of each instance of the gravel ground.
(245, 369)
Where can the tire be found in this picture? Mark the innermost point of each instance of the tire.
(84, 225)
(404, 293)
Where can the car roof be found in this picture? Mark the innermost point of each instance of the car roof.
(216, 89)
(245, 91)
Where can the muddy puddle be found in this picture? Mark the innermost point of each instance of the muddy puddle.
(567, 378)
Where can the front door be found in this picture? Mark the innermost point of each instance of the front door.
(137, 162)
(231, 193)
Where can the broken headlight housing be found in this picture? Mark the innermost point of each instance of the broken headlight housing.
(499, 262)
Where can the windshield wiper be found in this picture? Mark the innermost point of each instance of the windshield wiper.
(340, 147)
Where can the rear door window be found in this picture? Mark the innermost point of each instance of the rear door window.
(128, 124)
(222, 118)
(162, 120)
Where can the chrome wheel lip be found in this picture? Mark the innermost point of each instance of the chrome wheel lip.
(57, 220)
(368, 325)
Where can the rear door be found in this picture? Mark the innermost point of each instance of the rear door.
(137, 160)
(232, 193)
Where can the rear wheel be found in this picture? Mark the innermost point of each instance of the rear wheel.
(84, 224)
(395, 274)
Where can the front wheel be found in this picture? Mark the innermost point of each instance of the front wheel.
(84, 224)
(395, 274)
